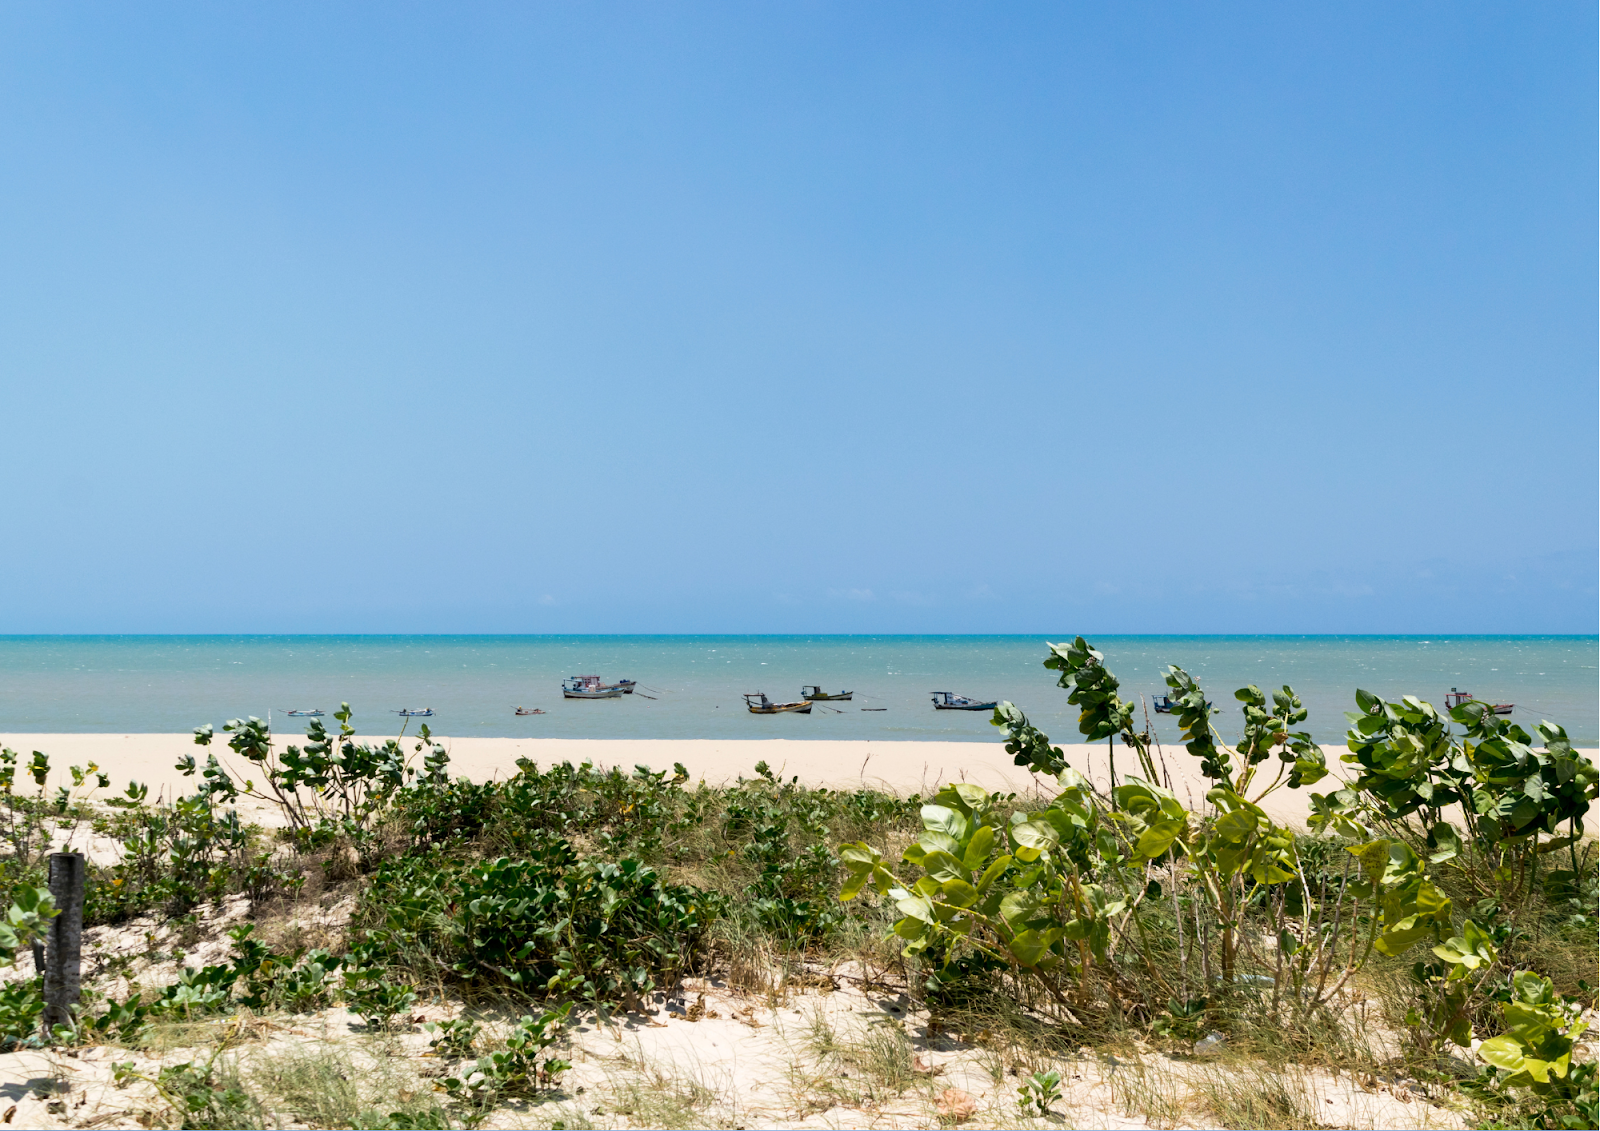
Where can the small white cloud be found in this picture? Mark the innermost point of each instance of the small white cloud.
(547, 600)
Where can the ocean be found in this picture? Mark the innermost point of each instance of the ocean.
(690, 686)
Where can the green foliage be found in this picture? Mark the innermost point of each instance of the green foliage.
(1533, 1057)
(26, 921)
(454, 1039)
(199, 1095)
(21, 1011)
(374, 998)
(1040, 1091)
(1092, 688)
(520, 1068)
(549, 924)
(1066, 896)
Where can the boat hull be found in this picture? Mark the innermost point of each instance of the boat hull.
(781, 709)
(842, 697)
(965, 706)
(607, 693)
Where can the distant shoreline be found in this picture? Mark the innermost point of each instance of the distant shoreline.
(891, 765)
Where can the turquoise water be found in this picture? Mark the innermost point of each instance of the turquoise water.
(134, 684)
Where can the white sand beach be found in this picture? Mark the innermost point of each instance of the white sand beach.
(899, 767)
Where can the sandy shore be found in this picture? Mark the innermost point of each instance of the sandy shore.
(901, 767)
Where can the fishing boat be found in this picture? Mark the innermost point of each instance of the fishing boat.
(526, 711)
(589, 687)
(416, 712)
(1458, 698)
(817, 695)
(625, 686)
(1163, 704)
(314, 713)
(759, 704)
(945, 701)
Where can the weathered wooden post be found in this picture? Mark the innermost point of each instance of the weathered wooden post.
(64, 956)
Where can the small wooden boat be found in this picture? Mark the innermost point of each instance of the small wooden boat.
(526, 711)
(1163, 704)
(314, 713)
(589, 687)
(944, 701)
(759, 704)
(416, 712)
(817, 695)
(1457, 698)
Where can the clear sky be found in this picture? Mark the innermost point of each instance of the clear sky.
(798, 317)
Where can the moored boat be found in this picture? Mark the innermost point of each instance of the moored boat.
(815, 694)
(1163, 704)
(945, 701)
(526, 711)
(1458, 698)
(589, 687)
(759, 704)
(313, 713)
(416, 712)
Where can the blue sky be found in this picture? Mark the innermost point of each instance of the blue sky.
(798, 317)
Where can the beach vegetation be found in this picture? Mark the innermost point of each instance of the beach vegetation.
(1117, 907)
(1441, 901)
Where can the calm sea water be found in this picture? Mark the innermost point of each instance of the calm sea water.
(173, 683)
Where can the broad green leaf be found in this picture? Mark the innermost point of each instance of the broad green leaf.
(933, 840)
(1237, 825)
(911, 929)
(1018, 906)
(938, 818)
(916, 907)
(1158, 838)
(1038, 835)
(942, 866)
(992, 872)
(958, 892)
(978, 847)
(1029, 947)
(1401, 937)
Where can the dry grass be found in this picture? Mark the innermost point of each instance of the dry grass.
(1245, 1095)
(651, 1096)
(321, 1086)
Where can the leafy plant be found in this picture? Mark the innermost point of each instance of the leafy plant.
(374, 998)
(454, 1038)
(550, 924)
(520, 1068)
(1040, 1090)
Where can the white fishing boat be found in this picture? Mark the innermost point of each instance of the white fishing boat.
(313, 713)
(589, 687)
(416, 712)
(945, 701)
